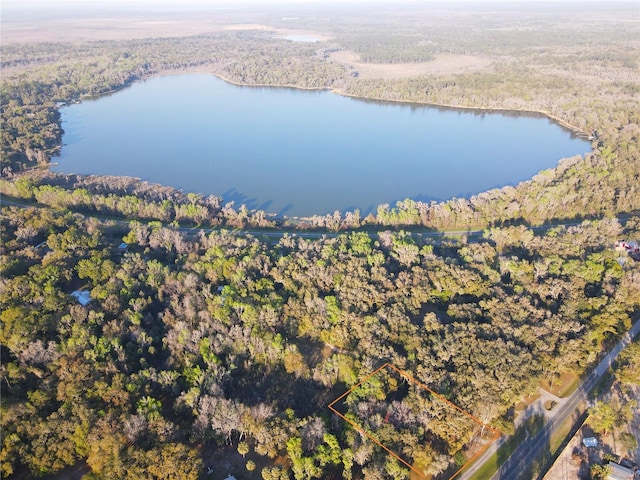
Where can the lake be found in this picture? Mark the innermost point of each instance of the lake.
(301, 152)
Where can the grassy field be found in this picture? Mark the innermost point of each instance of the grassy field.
(563, 386)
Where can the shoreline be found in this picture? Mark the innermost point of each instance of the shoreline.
(338, 91)
(546, 114)
(208, 70)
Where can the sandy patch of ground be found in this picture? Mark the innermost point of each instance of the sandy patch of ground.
(443, 64)
(570, 464)
(526, 401)
(575, 459)
(563, 385)
(320, 37)
(280, 32)
(220, 462)
(249, 26)
(634, 425)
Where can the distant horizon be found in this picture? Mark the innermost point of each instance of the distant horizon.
(40, 6)
(82, 20)
(230, 3)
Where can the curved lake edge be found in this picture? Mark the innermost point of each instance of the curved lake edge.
(533, 113)
(206, 70)
(338, 91)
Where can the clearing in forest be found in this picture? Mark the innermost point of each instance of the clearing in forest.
(418, 427)
(441, 65)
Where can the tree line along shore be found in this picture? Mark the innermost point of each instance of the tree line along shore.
(190, 346)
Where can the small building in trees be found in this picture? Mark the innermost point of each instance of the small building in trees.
(628, 246)
(83, 297)
(618, 472)
(631, 248)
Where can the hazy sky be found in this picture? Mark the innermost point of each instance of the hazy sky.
(106, 3)
(11, 8)
(179, 4)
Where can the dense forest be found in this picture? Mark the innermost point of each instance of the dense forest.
(222, 339)
(198, 345)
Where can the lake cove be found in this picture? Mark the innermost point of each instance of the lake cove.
(301, 152)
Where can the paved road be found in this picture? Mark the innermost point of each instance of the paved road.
(530, 449)
(278, 233)
(526, 452)
(311, 234)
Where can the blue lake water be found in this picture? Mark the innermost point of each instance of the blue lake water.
(299, 152)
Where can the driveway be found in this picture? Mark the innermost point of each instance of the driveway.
(537, 408)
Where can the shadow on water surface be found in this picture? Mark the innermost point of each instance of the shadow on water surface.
(238, 198)
(252, 203)
(363, 211)
(265, 205)
(285, 209)
(424, 198)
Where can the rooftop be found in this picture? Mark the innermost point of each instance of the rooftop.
(83, 297)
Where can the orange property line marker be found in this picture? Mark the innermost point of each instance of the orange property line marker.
(410, 379)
